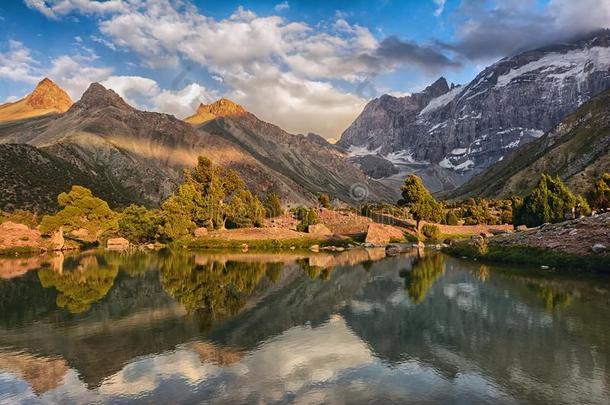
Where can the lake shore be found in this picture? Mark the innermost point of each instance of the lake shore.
(582, 243)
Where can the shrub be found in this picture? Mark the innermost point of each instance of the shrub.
(307, 216)
(273, 206)
(324, 200)
(451, 218)
(431, 231)
(599, 196)
(139, 224)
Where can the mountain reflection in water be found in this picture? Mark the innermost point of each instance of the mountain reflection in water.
(174, 326)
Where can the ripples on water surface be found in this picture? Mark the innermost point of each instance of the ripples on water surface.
(176, 327)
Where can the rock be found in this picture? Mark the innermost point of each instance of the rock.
(599, 248)
(14, 235)
(340, 249)
(367, 245)
(292, 247)
(395, 249)
(57, 241)
(521, 228)
(419, 245)
(319, 230)
(543, 267)
(117, 244)
(380, 235)
(150, 246)
(244, 247)
(496, 232)
(314, 248)
(200, 232)
(448, 242)
(81, 234)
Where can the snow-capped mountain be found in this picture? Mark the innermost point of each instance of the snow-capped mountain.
(465, 129)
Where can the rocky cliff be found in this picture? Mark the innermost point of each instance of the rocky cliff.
(452, 134)
(577, 150)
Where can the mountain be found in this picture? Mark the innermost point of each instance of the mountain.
(219, 109)
(32, 178)
(450, 134)
(47, 98)
(141, 156)
(577, 150)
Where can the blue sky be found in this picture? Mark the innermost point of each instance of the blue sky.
(304, 65)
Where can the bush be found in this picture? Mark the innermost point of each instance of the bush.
(324, 200)
(451, 218)
(138, 224)
(273, 206)
(307, 216)
(21, 217)
(599, 196)
(431, 231)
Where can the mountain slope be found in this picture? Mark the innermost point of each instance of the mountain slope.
(47, 98)
(466, 129)
(144, 153)
(31, 179)
(577, 150)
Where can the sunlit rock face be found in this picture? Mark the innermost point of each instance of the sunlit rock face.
(47, 98)
(459, 131)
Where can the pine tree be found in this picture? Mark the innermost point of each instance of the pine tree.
(421, 204)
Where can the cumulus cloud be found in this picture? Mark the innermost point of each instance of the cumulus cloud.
(396, 51)
(74, 75)
(493, 29)
(134, 89)
(17, 64)
(183, 103)
(55, 8)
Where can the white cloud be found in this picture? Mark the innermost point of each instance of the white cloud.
(440, 7)
(183, 103)
(17, 64)
(74, 75)
(135, 90)
(281, 6)
(55, 8)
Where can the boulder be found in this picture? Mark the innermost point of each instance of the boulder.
(117, 243)
(521, 228)
(319, 230)
(200, 232)
(314, 248)
(380, 235)
(599, 248)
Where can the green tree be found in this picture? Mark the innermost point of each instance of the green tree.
(599, 196)
(81, 210)
(451, 218)
(421, 204)
(273, 206)
(548, 202)
(307, 216)
(138, 224)
(324, 200)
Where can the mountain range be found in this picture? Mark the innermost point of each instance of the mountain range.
(448, 134)
(127, 155)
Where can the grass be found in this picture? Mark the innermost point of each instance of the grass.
(16, 251)
(529, 255)
(264, 244)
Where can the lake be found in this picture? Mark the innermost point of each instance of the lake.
(240, 328)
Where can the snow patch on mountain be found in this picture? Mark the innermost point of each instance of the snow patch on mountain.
(576, 65)
(441, 101)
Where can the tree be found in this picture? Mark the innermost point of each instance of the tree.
(599, 196)
(307, 216)
(212, 197)
(548, 202)
(324, 200)
(139, 224)
(273, 206)
(81, 210)
(451, 218)
(421, 204)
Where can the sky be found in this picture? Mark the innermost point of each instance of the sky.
(307, 66)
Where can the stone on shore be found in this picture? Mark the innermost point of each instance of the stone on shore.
(200, 232)
(117, 244)
(319, 230)
(599, 248)
(381, 235)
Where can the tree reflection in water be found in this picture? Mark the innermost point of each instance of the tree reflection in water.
(82, 285)
(425, 270)
(213, 290)
(553, 297)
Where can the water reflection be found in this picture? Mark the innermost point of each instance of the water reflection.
(254, 328)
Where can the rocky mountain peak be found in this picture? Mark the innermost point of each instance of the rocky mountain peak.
(97, 96)
(221, 108)
(438, 88)
(49, 96)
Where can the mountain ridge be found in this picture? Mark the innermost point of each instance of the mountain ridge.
(46, 98)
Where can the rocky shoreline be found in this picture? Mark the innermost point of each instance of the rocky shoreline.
(582, 243)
